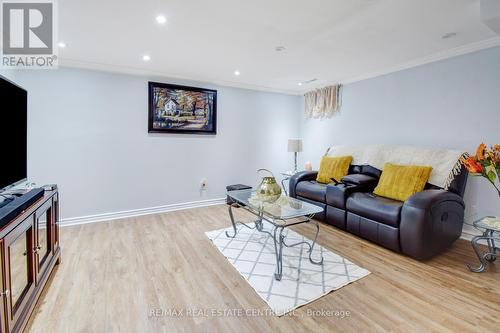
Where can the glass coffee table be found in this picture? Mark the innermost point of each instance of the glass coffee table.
(281, 214)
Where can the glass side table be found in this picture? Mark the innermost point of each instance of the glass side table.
(490, 225)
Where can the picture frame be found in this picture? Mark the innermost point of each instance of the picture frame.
(181, 109)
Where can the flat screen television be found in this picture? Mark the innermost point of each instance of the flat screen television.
(13, 129)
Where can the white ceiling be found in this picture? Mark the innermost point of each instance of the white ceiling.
(330, 40)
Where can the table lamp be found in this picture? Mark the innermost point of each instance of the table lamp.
(295, 146)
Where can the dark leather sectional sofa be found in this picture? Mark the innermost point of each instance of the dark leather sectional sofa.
(421, 227)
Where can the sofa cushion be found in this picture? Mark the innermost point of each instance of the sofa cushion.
(333, 168)
(312, 190)
(400, 182)
(383, 210)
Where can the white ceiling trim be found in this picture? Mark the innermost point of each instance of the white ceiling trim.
(79, 64)
(458, 51)
(455, 52)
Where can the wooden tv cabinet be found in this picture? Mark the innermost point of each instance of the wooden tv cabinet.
(29, 251)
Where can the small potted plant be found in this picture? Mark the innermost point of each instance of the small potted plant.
(485, 163)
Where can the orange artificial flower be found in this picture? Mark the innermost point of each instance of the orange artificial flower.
(472, 165)
(480, 152)
(496, 154)
(486, 163)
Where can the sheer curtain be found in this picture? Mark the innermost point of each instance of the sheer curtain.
(324, 102)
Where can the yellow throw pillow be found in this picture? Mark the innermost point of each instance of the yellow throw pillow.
(400, 182)
(333, 167)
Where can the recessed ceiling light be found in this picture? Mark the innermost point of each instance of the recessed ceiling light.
(146, 57)
(161, 19)
(237, 73)
(61, 45)
(306, 82)
(449, 35)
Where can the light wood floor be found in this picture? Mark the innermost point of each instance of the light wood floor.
(114, 274)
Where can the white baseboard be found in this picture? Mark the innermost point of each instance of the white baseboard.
(468, 230)
(467, 236)
(467, 233)
(139, 212)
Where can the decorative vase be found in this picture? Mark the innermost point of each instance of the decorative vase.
(268, 190)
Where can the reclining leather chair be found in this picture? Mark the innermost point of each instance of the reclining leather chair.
(421, 227)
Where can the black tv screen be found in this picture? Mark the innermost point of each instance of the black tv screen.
(13, 126)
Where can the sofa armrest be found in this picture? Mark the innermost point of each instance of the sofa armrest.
(360, 180)
(431, 221)
(336, 195)
(300, 177)
(429, 198)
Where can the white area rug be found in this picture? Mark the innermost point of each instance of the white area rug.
(252, 254)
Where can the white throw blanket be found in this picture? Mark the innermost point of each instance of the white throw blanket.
(445, 163)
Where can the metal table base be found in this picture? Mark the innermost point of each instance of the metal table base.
(276, 234)
(490, 236)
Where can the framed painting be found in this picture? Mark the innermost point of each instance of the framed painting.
(181, 109)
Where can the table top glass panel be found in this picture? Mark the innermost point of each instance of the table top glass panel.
(488, 222)
(283, 208)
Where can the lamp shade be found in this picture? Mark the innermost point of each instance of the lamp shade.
(294, 145)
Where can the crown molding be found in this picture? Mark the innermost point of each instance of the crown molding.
(443, 55)
(81, 64)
